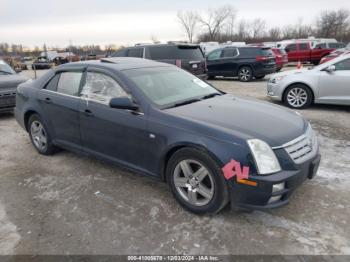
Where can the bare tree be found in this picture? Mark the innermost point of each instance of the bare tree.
(231, 23)
(243, 30)
(274, 33)
(334, 24)
(214, 20)
(189, 22)
(258, 28)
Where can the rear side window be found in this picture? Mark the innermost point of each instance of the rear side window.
(216, 54)
(135, 52)
(121, 53)
(175, 52)
(229, 52)
(52, 85)
(101, 88)
(69, 83)
(304, 46)
(162, 52)
(249, 52)
(291, 47)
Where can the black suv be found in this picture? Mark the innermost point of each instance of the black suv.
(186, 56)
(245, 62)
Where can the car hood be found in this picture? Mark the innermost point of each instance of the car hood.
(291, 72)
(11, 81)
(246, 117)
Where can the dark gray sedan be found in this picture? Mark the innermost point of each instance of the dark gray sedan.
(210, 147)
(9, 80)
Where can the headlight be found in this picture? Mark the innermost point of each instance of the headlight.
(264, 156)
(277, 79)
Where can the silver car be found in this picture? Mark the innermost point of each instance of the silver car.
(328, 83)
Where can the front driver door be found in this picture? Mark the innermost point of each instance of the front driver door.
(214, 62)
(334, 87)
(112, 134)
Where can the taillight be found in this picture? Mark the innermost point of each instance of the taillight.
(178, 63)
(261, 58)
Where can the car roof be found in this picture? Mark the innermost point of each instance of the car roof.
(117, 63)
(168, 44)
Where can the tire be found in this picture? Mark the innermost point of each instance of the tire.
(39, 136)
(259, 77)
(298, 96)
(211, 77)
(210, 182)
(245, 74)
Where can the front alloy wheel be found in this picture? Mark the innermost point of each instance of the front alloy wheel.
(193, 182)
(298, 97)
(196, 181)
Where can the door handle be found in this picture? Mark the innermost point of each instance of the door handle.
(88, 112)
(48, 100)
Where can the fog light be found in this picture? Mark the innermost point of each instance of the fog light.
(278, 187)
(274, 199)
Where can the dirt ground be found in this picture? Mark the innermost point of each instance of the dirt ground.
(69, 204)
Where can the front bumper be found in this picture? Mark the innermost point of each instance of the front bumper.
(260, 196)
(273, 91)
(7, 101)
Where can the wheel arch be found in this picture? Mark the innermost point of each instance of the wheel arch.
(27, 115)
(176, 147)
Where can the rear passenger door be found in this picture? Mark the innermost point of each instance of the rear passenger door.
(304, 52)
(59, 101)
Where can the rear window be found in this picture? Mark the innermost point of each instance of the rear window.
(266, 52)
(175, 52)
(336, 45)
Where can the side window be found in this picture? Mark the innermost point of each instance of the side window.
(135, 52)
(291, 47)
(215, 55)
(52, 85)
(229, 52)
(101, 88)
(304, 46)
(69, 83)
(121, 53)
(163, 52)
(343, 65)
(322, 45)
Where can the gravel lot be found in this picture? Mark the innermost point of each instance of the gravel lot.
(69, 204)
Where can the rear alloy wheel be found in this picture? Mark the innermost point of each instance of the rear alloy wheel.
(245, 74)
(196, 181)
(39, 136)
(298, 97)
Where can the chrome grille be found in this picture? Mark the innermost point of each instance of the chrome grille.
(7, 99)
(302, 148)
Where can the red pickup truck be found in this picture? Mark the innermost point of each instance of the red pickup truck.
(303, 52)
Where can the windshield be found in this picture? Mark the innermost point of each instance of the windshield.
(170, 86)
(5, 69)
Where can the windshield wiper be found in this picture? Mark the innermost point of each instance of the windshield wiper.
(211, 95)
(190, 101)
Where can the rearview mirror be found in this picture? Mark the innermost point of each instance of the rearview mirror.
(330, 69)
(123, 103)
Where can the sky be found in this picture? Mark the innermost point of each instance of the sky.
(33, 23)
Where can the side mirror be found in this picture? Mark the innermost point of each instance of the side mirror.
(123, 103)
(18, 70)
(330, 69)
(287, 50)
